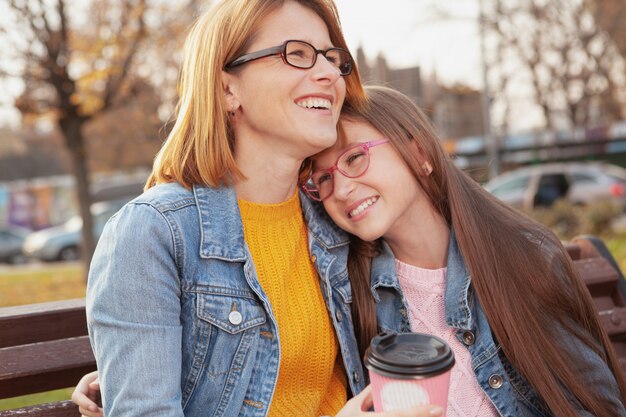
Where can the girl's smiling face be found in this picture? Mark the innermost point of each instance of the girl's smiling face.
(383, 202)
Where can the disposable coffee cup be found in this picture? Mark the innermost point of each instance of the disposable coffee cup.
(409, 369)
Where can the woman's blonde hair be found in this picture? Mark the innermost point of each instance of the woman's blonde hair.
(199, 148)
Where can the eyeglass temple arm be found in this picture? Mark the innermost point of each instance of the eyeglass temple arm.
(373, 143)
(255, 55)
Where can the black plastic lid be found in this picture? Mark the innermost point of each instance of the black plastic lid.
(408, 355)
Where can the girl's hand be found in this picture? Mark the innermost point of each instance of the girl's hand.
(358, 406)
(87, 395)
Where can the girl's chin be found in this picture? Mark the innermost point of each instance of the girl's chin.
(367, 236)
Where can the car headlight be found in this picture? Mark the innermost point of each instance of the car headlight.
(34, 242)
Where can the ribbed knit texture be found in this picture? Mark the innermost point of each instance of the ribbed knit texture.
(424, 290)
(311, 380)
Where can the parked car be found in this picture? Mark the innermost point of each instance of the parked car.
(62, 243)
(11, 241)
(579, 182)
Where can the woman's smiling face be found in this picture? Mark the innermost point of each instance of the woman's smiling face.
(294, 109)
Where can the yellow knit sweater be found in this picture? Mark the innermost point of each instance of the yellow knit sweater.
(311, 380)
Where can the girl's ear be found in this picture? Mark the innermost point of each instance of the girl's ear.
(230, 86)
(427, 168)
(425, 165)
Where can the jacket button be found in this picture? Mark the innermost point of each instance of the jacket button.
(313, 258)
(235, 318)
(403, 313)
(355, 377)
(338, 315)
(468, 338)
(495, 381)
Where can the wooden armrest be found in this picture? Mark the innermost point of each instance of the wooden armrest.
(598, 274)
(573, 250)
(614, 321)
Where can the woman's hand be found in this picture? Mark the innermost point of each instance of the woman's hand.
(358, 406)
(87, 394)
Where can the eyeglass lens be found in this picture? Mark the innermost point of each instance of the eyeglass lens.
(352, 163)
(302, 55)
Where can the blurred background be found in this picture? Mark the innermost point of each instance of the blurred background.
(528, 96)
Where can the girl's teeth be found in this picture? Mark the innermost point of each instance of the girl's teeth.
(362, 207)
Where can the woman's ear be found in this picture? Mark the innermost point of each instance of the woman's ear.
(230, 87)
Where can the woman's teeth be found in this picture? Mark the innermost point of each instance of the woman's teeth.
(311, 103)
(363, 206)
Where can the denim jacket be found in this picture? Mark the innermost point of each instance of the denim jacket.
(509, 392)
(169, 271)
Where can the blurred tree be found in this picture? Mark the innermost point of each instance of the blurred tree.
(128, 137)
(610, 16)
(28, 154)
(569, 58)
(81, 60)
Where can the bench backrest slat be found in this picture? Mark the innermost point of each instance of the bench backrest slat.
(44, 366)
(42, 322)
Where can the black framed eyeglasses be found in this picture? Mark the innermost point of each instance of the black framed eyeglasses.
(299, 54)
(352, 163)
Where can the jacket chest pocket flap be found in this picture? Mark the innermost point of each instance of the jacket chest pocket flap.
(231, 313)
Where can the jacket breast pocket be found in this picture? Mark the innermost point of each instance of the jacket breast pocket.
(225, 343)
(231, 310)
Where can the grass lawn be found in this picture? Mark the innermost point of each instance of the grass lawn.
(40, 283)
(34, 399)
(617, 246)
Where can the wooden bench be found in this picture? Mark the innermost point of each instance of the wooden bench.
(45, 346)
(607, 286)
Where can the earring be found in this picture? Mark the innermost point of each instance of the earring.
(427, 168)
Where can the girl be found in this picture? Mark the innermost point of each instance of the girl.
(433, 252)
(194, 307)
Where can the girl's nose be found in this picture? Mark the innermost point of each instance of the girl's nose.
(342, 186)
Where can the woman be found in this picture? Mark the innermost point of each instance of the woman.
(498, 286)
(199, 300)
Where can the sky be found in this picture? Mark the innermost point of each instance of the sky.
(408, 32)
(412, 32)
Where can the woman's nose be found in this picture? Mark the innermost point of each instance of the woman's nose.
(324, 70)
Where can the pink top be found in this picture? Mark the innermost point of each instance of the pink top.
(424, 291)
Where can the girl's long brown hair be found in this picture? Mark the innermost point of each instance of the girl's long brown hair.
(521, 274)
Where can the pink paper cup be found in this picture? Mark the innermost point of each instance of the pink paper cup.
(409, 369)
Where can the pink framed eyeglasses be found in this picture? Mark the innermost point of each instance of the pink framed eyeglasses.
(352, 163)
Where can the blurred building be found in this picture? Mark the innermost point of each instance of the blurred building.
(456, 111)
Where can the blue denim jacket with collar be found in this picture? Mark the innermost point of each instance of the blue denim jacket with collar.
(178, 321)
(509, 392)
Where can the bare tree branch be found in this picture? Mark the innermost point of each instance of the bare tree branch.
(116, 81)
(567, 57)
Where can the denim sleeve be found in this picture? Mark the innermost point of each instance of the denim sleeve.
(594, 372)
(133, 314)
